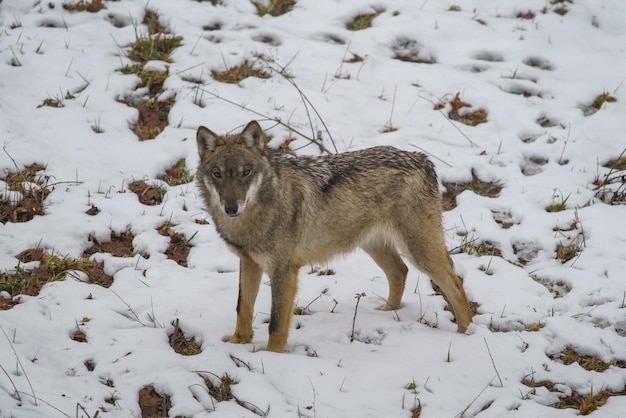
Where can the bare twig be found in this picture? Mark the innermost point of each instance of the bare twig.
(462, 413)
(17, 393)
(277, 120)
(451, 123)
(20, 364)
(494, 363)
(358, 297)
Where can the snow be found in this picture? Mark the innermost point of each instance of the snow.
(46, 51)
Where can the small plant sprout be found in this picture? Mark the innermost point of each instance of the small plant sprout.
(299, 310)
(559, 202)
(97, 127)
(358, 297)
(389, 125)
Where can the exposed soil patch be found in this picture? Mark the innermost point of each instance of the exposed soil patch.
(154, 404)
(33, 189)
(148, 195)
(186, 346)
(179, 247)
(92, 211)
(482, 188)
(525, 252)
(410, 50)
(121, 245)
(504, 219)
(152, 119)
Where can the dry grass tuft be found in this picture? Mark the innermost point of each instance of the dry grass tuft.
(274, 7)
(470, 118)
(186, 346)
(25, 196)
(363, 21)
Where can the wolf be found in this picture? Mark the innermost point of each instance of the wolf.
(279, 212)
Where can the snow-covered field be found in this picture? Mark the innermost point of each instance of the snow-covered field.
(534, 71)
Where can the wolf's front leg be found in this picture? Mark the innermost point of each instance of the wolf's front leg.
(249, 280)
(284, 286)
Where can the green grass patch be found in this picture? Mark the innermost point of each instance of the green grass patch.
(51, 268)
(177, 174)
(153, 47)
(239, 73)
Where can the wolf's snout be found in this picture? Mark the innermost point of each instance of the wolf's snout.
(231, 209)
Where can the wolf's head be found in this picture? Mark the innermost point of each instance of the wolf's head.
(231, 168)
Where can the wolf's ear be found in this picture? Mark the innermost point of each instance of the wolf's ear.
(252, 136)
(207, 141)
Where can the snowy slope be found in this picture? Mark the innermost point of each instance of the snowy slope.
(523, 72)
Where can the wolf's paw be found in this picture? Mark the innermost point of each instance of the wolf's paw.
(387, 307)
(237, 339)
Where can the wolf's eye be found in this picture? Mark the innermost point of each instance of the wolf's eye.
(217, 174)
(246, 172)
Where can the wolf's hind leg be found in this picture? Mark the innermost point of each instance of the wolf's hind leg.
(431, 256)
(388, 259)
(249, 281)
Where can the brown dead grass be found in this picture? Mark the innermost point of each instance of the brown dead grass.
(590, 363)
(147, 194)
(85, 6)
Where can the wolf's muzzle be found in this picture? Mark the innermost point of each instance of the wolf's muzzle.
(231, 209)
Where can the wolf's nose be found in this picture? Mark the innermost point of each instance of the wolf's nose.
(231, 209)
